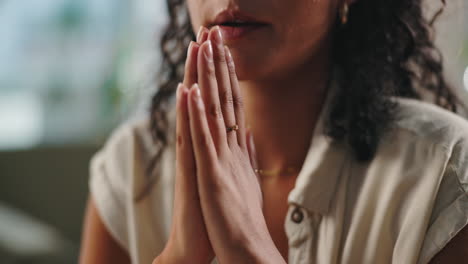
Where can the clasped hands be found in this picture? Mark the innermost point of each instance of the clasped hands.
(218, 199)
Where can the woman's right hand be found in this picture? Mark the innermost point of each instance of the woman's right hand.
(188, 240)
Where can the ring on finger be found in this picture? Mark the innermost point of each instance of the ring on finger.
(232, 128)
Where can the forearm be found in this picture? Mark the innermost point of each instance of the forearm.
(171, 256)
(261, 250)
(261, 254)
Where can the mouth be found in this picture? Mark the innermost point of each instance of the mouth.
(238, 24)
(235, 24)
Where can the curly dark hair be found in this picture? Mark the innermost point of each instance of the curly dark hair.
(385, 49)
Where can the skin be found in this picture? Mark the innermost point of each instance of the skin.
(97, 245)
(238, 216)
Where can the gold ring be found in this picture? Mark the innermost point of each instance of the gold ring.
(232, 128)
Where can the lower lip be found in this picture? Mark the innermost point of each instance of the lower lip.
(234, 33)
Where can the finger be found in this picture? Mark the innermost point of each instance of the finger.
(252, 154)
(224, 84)
(203, 144)
(184, 153)
(237, 100)
(190, 76)
(209, 92)
(202, 35)
(252, 150)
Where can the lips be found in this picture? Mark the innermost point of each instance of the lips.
(235, 24)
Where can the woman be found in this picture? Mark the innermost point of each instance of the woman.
(349, 165)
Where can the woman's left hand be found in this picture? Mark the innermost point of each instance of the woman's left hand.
(230, 193)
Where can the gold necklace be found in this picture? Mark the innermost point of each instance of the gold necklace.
(289, 169)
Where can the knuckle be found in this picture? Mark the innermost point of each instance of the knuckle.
(215, 111)
(224, 154)
(220, 57)
(180, 140)
(226, 97)
(236, 150)
(215, 184)
(245, 151)
(204, 140)
(231, 68)
(238, 102)
(210, 69)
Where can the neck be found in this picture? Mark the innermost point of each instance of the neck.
(282, 113)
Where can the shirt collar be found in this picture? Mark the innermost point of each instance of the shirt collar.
(318, 177)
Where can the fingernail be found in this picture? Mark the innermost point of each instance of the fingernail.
(251, 141)
(200, 31)
(230, 61)
(178, 90)
(228, 52)
(209, 50)
(218, 35)
(189, 47)
(197, 91)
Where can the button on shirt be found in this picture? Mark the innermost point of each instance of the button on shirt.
(404, 206)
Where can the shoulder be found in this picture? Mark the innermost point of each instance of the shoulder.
(111, 175)
(112, 170)
(132, 143)
(430, 122)
(433, 125)
(128, 152)
(130, 139)
(119, 173)
(430, 126)
(432, 130)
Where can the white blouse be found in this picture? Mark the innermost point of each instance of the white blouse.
(402, 207)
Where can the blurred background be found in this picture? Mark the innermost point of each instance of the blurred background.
(70, 72)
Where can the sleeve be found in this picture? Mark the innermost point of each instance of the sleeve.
(110, 182)
(450, 211)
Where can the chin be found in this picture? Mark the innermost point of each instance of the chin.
(250, 66)
(261, 62)
(249, 73)
(246, 73)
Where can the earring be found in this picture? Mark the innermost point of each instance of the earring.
(344, 13)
